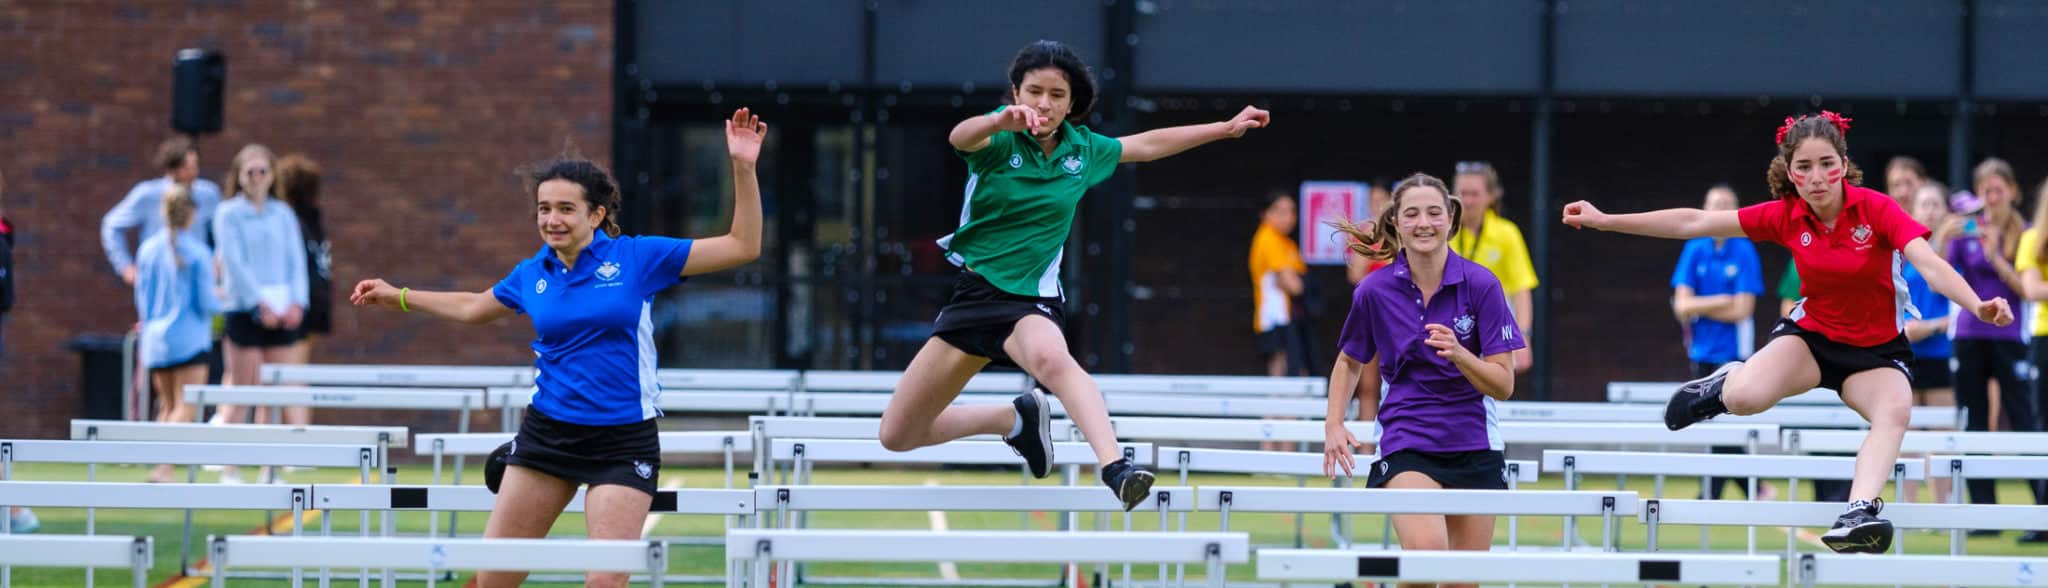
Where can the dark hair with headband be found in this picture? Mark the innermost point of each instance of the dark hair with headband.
(1828, 126)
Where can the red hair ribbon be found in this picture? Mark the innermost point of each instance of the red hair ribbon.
(1840, 122)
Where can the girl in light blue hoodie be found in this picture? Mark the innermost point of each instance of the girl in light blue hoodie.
(174, 294)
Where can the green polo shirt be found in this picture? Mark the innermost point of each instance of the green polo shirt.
(1020, 206)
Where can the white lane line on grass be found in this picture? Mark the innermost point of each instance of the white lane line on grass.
(947, 570)
(653, 519)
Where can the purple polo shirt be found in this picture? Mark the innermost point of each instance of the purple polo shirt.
(1429, 405)
(1967, 254)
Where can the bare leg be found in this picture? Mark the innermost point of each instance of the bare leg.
(1420, 532)
(291, 354)
(920, 413)
(1884, 398)
(528, 504)
(1783, 368)
(1039, 346)
(613, 512)
(1470, 533)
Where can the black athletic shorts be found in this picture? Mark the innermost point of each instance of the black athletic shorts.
(1932, 372)
(245, 329)
(1838, 361)
(980, 316)
(198, 358)
(1484, 469)
(1275, 340)
(626, 455)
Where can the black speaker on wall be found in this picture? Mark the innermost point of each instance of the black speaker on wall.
(198, 82)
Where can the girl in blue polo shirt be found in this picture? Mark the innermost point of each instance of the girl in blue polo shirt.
(590, 293)
(1438, 329)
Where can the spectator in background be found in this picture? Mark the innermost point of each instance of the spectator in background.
(179, 160)
(1496, 243)
(2032, 257)
(1933, 379)
(1903, 177)
(298, 184)
(174, 294)
(1980, 247)
(1276, 271)
(1357, 266)
(263, 271)
(1714, 291)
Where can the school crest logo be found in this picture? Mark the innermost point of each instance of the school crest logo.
(1861, 233)
(1463, 325)
(1731, 270)
(1805, 239)
(1071, 164)
(1016, 161)
(608, 272)
(540, 286)
(643, 469)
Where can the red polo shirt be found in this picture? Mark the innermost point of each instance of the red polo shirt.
(1851, 287)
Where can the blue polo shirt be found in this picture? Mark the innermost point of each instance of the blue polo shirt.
(1931, 306)
(594, 357)
(1732, 268)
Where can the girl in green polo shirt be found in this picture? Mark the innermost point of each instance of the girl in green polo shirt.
(1028, 167)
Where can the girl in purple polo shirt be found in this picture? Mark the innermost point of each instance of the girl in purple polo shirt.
(1444, 367)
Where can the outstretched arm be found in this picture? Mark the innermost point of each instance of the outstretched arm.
(743, 136)
(474, 308)
(1945, 281)
(972, 135)
(1670, 223)
(1159, 144)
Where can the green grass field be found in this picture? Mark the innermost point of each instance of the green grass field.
(1265, 529)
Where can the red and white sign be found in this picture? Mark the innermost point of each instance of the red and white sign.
(1321, 203)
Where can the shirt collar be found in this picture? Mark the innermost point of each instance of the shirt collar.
(1454, 268)
(1852, 199)
(600, 244)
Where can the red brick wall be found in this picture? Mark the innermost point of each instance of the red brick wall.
(419, 111)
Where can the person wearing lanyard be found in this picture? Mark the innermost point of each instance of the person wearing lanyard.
(1436, 327)
(1495, 243)
(1848, 242)
(590, 293)
(1028, 166)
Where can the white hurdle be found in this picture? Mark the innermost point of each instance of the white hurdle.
(802, 454)
(1790, 415)
(1903, 515)
(1329, 565)
(764, 546)
(1574, 462)
(425, 376)
(434, 555)
(1114, 384)
(79, 551)
(1815, 569)
(1606, 505)
(1659, 392)
(1920, 441)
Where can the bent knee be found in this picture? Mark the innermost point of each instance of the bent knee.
(899, 437)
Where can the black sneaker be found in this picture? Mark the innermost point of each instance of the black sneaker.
(1697, 400)
(1130, 483)
(2034, 537)
(1859, 530)
(1034, 443)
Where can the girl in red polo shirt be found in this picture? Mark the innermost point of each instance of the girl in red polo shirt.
(1848, 243)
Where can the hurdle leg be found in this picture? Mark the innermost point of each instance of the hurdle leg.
(461, 461)
(1899, 494)
(1299, 534)
(657, 563)
(298, 516)
(1955, 496)
(185, 539)
(219, 549)
(91, 475)
(1703, 528)
(326, 530)
(1514, 522)
(1214, 559)
(139, 568)
(1652, 511)
(1571, 524)
(1751, 490)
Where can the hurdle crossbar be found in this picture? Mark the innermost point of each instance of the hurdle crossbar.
(1827, 569)
(1509, 566)
(1443, 502)
(1716, 465)
(122, 495)
(102, 430)
(700, 379)
(1919, 441)
(1988, 467)
(965, 498)
(309, 455)
(339, 397)
(1659, 392)
(672, 442)
(432, 376)
(1913, 515)
(1783, 416)
(1637, 434)
(438, 554)
(870, 381)
(956, 452)
(480, 499)
(1114, 384)
(1292, 463)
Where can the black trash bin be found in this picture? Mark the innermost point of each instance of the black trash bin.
(99, 375)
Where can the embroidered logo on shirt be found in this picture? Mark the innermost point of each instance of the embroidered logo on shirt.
(1861, 233)
(1463, 325)
(608, 272)
(1016, 161)
(1071, 164)
(1732, 270)
(1805, 239)
(540, 286)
